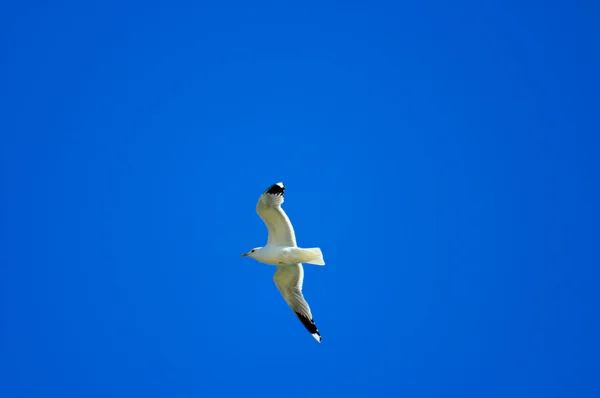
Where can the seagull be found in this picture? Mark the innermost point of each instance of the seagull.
(281, 251)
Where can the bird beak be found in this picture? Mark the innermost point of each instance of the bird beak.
(245, 255)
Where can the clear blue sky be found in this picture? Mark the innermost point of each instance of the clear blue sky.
(444, 155)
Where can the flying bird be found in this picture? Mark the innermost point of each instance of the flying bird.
(281, 251)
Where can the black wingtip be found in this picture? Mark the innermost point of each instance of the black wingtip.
(309, 324)
(276, 189)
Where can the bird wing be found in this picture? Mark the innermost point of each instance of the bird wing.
(281, 232)
(288, 279)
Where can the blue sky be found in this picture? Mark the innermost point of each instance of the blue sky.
(444, 156)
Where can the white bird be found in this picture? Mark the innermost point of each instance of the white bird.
(281, 251)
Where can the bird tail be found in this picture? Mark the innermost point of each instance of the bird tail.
(314, 256)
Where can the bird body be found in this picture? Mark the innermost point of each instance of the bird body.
(281, 250)
(282, 255)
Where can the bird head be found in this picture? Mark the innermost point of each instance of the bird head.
(252, 252)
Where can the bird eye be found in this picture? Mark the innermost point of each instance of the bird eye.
(252, 251)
